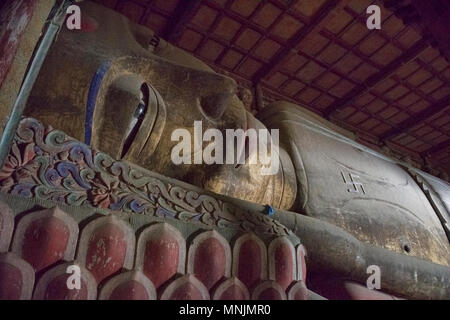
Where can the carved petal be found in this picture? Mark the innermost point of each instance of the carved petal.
(53, 284)
(209, 258)
(282, 262)
(249, 259)
(298, 291)
(16, 278)
(269, 290)
(161, 253)
(129, 286)
(106, 246)
(187, 287)
(231, 289)
(45, 237)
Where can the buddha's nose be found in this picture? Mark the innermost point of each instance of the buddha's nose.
(215, 104)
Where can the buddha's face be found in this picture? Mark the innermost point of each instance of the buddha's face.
(109, 88)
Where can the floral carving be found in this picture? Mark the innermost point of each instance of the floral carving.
(46, 164)
(18, 165)
(103, 193)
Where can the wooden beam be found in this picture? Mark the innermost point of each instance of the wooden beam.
(432, 17)
(407, 56)
(183, 13)
(395, 4)
(277, 61)
(416, 119)
(439, 147)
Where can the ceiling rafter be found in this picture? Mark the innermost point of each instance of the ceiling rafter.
(416, 119)
(439, 147)
(432, 17)
(183, 13)
(269, 29)
(380, 32)
(431, 70)
(407, 56)
(279, 58)
(238, 34)
(245, 21)
(350, 48)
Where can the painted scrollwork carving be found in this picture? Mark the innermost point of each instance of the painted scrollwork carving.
(47, 164)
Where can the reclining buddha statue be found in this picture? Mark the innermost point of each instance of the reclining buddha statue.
(89, 181)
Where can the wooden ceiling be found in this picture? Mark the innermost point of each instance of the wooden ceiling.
(390, 86)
